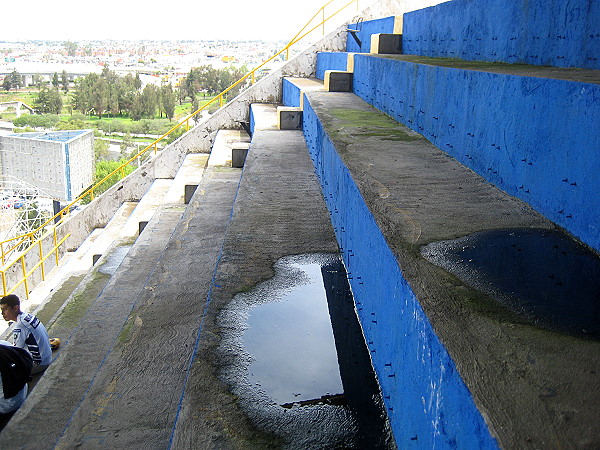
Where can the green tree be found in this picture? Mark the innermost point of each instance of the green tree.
(7, 84)
(101, 149)
(55, 82)
(48, 101)
(168, 100)
(65, 81)
(103, 169)
(38, 80)
(70, 47)
(15, 79)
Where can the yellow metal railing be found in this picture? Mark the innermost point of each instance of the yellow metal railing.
(29, 240)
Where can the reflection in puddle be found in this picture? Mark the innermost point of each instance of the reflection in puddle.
(542, 275)
(297, 361)
(291, 340)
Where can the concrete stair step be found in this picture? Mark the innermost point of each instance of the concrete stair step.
(104, 359)
(220, 154)
(81, 356)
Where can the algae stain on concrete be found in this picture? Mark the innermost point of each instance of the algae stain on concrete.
(373, 124)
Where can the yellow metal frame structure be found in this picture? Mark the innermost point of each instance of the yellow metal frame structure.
(10, 247)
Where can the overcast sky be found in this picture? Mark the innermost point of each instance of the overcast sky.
(165, 20)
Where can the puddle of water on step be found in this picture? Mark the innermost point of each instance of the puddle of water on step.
(543, 275)
(114, 260)
(295, 374)
(291, 340)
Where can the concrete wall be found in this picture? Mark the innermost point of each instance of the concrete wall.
(330, 61)
(427, 402)
(541, 32)
(535, 138)
(365, 30)
(41, 162)
(80, 170)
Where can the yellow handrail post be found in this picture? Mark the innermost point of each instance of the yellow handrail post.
(155, 147)
(253, 72)
(3, 282)
(24, 275)
(187, 124)
(221, 101)
(55, 240)
(3, 254)
(42, 259)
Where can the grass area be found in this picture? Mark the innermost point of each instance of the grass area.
(24, 96)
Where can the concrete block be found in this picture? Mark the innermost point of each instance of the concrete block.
(350, 63)
(189, 191)
(289, 118)
(338, 81)
(142, 225)
(239, 151)
(386, 44)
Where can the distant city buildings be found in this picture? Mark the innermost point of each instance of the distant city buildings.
(156, 61)
(60, 163)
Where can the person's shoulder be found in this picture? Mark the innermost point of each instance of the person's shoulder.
(29, 320)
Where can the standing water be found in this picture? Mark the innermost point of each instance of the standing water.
(303, 371)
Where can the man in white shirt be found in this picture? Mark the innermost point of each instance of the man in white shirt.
(28, 332)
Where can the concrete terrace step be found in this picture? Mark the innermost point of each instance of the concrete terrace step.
(279, 211)
(220, 154)
(390, 192)
(190, 173)
(122, 346)
(81, 358)
(156, 346)
(263, 116)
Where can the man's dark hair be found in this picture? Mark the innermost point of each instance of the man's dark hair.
(10, 300)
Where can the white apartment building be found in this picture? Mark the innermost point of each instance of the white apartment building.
(60, 163)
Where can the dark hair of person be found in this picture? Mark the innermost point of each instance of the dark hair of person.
(10, 300)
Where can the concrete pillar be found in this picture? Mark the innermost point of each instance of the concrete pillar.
(239, 151)
(289, 118)
(338, 81)
(189, 191)
(386, 44)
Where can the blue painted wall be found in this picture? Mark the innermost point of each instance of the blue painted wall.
(428, 404)
(366, 29)
(541, 32)
(290, 94)
(536, 138)
(330, 61)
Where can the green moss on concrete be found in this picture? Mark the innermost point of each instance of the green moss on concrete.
(355, 123)
(57, 299)
(127, 331)
(78, 305)
(561, 73)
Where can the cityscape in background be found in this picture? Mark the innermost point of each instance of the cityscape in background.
(156, 61)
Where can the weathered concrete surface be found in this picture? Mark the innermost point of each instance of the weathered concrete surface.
(279, 211)
(535, 388)
(198, 139)
(65, 383)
